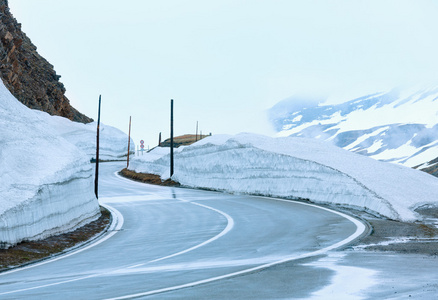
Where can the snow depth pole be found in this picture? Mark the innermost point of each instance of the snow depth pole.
(171, 137)
(129, 142)
(96, 178)
(196, 138)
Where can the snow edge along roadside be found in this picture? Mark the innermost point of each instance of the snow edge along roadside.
(115, 224)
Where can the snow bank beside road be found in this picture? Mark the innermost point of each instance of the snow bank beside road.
(113, 142)
(298, 168)
(46, 183)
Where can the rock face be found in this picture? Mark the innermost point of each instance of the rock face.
(27, 75)
(430, 167)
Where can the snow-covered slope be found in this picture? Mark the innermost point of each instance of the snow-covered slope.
(46, 183)
(113, 143)
(398, 126)
(297, 168)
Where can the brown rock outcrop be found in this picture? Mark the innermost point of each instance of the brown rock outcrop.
(432, 167)
(27, 75)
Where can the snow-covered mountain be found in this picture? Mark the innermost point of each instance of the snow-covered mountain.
(294, 167)
(396, 126)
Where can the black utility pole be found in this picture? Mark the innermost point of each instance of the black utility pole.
(129, 142)
(159, 140)
(171, 137)
(96, 178)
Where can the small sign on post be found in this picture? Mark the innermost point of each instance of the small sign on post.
(142, 146)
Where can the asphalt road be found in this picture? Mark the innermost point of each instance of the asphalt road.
(180, 243)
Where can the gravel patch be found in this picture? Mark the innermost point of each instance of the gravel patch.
(401, 237)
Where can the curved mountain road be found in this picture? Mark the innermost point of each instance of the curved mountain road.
(178, 243)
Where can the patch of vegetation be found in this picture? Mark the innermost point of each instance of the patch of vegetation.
(148, 178)
(183, 140)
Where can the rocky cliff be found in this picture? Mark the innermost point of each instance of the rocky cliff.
(27, 75)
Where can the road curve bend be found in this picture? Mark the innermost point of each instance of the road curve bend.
(178, 243)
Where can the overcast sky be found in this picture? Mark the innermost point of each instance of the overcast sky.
(225, 62)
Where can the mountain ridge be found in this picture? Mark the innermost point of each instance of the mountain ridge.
(27, 75)
(399, 126)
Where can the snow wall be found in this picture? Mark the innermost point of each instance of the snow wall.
(297, 168)
(46, 183)
(113, 143)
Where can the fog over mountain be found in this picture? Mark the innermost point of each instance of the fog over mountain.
(399, 126)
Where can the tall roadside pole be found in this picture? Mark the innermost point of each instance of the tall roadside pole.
(196, 137)
(129, 142)
(96, 178)
(171, 137)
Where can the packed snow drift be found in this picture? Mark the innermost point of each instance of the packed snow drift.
(113, 143)
(46, 183)
(297, 168)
